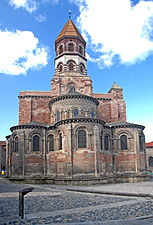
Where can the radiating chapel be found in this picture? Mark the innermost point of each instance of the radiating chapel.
(71, 132)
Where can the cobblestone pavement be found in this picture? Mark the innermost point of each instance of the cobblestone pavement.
(52, 204)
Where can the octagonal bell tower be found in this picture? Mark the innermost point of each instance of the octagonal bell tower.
(70, 63)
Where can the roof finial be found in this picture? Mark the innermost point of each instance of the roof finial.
(69, 14)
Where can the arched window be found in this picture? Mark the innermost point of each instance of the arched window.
(16, 144)
(82, 67)
(75, 113)
(36, 143)
(68, 114)
(60, 67)
(71, 66)
(101, 142)
(60, 49)
(81, 139)
(123, 142)
(71, 88)
(106, 142)
(71, 47)
(151, 161)
(57, 116)
(51, 142)
(60, 141)
(141, 141)
(80, 50)
(92, 114)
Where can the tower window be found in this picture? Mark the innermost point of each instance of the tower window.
(71, 88)
(123, 142)
(80, 50)
(60, 49)
(36, 143)
(51, 142)
(82, 67)
(71, 66)
(71, 47)
(60, 67)
(81, 139)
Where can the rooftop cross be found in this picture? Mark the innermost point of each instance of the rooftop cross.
(69, 14)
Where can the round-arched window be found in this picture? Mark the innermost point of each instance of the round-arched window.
(71, 47)
(123, 142)
(80, 50)
(51, 142)
(81, 139)
(60, 49)
(36, 143)
(75, 113)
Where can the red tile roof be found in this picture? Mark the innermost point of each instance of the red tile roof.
(70, 30)
(149, 144)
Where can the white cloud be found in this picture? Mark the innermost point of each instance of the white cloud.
(20, 51)
(40, 18)
(117, 30)
(28, 5)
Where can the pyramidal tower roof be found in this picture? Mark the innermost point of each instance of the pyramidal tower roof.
(115, 86)
(70, 30)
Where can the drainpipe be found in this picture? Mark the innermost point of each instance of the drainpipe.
(71, 151)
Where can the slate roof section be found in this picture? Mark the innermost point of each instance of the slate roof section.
(124, 124)
(71, 95)
(70, 30)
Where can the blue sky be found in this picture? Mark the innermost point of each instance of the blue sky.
(119, 35)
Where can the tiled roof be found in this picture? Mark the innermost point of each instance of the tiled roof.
(2, 143)
(149, 144)
(70, 30)
(115, 86)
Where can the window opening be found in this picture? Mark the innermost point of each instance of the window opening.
(58, 116)
(60, 141)
(71, 47)
(76, 113)
(150, 161)
(16, 144)
(81, 139)
(36, 143)
(60, 49)
(123, 142)
(106, 142)
(51, 142)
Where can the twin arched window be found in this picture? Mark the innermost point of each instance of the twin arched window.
(123, 142)
(82, 139)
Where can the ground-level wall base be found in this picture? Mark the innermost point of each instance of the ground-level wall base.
(81, 181)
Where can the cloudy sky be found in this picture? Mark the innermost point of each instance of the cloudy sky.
(119, 35)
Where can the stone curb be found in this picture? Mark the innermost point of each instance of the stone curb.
(111, 193)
